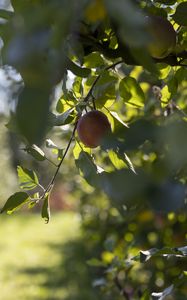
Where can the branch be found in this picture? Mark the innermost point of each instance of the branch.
(124, 52)
(121, 289)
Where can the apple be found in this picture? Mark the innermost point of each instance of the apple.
(92, 128)
(163, 36)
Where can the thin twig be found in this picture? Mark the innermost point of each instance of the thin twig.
(87, 98)
(51, 162)
(50, 185)
(121, 289)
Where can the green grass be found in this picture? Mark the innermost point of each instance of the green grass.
(43, 261)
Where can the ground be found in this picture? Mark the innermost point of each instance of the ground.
(43, 261)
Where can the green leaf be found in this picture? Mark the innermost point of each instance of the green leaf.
(131, 29)
(116, 160)
(147, 254)
(120, 161)
(77, 87)
(88, 168)
(142, 57)
(94, 262)
(28, 179)
(168, 196)
(180, 15)
(77, 70)
(66, 101)
(35, 152)
(164, 70)
(105, 89)
(166, 2)
(93, 60)
(14, 202)
(60, 154)
(129, 163)
(131, 92)
(65, 118)
(166, 94)
(6, 14)
(116, 117)
(124, 187)
(145, 296)
(165, 252)
(45, 213)
(32, 113)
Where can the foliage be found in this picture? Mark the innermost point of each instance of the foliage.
(101, 61)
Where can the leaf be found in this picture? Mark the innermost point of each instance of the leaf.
(145, 296)
(162, 295)
(167, 196)
(65, 118)
(6, 14)
(129, 163)
(87, 167)
(180, 15)
(164, 70)
(120, 160)
(116, 117)
(146, 255)
(77, 70)
(142, 57)
(94, 262)
(166, 2)
(50, 144)
(28, 179)
(66, 102)
(131, 92)
(116, 160)
(94, 60)
(77, 87)
(105, 89)
(32, 113)
(99, 282)
(45, 213)
(35, 152)
(164, 252)
(166, 95)
(123, 187)
(14, 202)
(131, 29)
(183, 250)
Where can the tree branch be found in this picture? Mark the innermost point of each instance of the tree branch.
(123, 51)
(87, 98)
(121, 289)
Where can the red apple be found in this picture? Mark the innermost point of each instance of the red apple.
(163, 36)
(92, 128)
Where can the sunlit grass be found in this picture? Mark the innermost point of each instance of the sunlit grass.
(40, 261)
